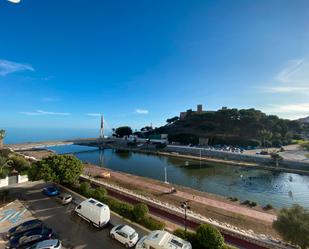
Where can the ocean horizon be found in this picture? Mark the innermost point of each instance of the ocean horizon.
(24, 135)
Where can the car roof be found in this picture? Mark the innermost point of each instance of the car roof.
(46, 243)
(127, 230)
(50, 187)
(65, 195)
(37, 231)
(30, 222)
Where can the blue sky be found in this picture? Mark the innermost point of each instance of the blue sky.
(62, 62)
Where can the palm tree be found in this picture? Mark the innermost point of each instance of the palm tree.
(266, 136)
(2, 135)
(4, 162)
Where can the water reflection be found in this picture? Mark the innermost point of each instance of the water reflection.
(259, 185)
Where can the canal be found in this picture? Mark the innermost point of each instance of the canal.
(279, 189)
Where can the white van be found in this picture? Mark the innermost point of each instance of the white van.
(93, 211)
(162, 240)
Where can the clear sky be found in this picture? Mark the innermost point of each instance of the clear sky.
(62, 62)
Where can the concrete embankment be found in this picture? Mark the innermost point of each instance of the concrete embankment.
(253, 160)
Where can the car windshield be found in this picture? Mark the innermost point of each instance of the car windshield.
(22, 239)
(20, 228)
(31, 238)
(133, 235)
(119, 227)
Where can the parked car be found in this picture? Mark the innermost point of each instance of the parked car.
(125, 235)
(51, 191)
(162, 240)
(64, 198)
(93, 211)
(24, 227)
(47, 244)
(29, 238)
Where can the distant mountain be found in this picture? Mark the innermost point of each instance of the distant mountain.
(304, 120)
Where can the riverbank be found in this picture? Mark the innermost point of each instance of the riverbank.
(209, 205)
(231, 214)
(213, 160)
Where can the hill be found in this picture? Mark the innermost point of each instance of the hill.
(245, 127)
(304, 120)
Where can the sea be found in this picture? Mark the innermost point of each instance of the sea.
(24, 135)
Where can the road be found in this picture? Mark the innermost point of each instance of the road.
(71, 229)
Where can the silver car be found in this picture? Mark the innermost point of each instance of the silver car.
(47, 244)
(64, 198)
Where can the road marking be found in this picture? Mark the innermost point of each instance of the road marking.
(11, 215)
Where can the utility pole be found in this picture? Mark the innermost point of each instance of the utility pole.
(165, 176)
(185, 206)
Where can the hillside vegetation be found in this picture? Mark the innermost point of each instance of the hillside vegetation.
(245, 127)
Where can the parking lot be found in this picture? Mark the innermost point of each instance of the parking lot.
(73, 231)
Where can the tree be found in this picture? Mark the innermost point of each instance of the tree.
(140, 211)
(19, 163)
(266, 137)
(64, 169)
(4, 163)
(293, 225)
(146, 129)
(123, 131)
(172, 120)
(2, 135)
(209, 237)
(276, 158)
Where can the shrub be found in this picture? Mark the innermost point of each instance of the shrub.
(252, 204)
(85, 189)
(140, 211)
(209, 237)
(268, 207)
(122, 208)
(246, 202)
(233, 198)
(99, 193)
(152, 224)
(293, 225)
(20, 164)
(189, 236)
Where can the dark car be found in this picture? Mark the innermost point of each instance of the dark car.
(29, 238)
(51, 191)
(24, 227)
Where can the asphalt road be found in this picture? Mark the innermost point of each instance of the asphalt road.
(73, 231)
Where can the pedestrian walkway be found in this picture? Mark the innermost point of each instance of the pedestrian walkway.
(196, 198)
(138, 181)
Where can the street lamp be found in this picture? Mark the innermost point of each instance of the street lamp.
(185, 206)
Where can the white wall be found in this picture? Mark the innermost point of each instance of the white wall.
(23, 178)
(4, 182)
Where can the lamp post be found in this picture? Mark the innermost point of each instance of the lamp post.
(185, 206)
(165, 176)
